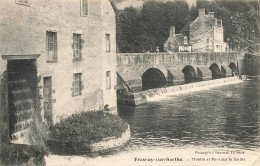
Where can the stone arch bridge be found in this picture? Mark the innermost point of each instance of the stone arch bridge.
(141, 71)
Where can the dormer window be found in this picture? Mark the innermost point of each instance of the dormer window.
(84, 7)
(185, 40)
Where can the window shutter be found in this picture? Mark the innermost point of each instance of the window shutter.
(73, 47)
(72, 89)
(55, 53)
(47, 46)
(55, 57)
(80, 47)
(81, 85)
(55, 43)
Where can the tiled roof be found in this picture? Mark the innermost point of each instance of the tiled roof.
(211, 19)
(113, 4)
(186, 27)
(180, 39)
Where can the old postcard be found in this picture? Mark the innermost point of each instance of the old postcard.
(129, 83)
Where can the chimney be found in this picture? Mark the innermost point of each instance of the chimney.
(172, 31)
(219, 22)
(211, 14)
(202, 12)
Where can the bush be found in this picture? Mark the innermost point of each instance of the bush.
(83, 129)
(18, 154)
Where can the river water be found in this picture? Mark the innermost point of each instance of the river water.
(217, 126)
(221, 117)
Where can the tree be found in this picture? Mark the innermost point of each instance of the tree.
(239, 21)
(131, 36)
(144, 29)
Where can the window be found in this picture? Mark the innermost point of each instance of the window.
(77, 46)
(22, 2)
(51, 46)
(207, 44)
(185, 40)
(84, 7)
(47, 98)
(107, 42)
(77, 85)
(108, 80)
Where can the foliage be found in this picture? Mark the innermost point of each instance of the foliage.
(92, 126)
(73, 135)
(15, 154)
(130, 31)
(240, 20)
(145, 29)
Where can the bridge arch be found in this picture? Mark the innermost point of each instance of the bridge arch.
(189, 74)
(215, 71)
(153, 78)
(233, 68)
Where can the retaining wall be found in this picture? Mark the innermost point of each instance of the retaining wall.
(86, 148)
(112, 142)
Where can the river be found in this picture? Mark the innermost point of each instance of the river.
(216, 126)
(224, 116)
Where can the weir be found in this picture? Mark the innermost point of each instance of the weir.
(153, 94)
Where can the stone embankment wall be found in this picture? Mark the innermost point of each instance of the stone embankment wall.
(111, 143)
(70, 147)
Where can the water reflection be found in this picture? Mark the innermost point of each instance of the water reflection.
(211, 118)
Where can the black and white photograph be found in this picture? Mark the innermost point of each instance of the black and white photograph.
(129, 83)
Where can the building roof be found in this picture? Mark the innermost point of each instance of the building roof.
(186, 27)
(211, 21)
(180, 39)
(113, 4)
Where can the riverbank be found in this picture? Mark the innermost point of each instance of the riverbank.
(88, 133)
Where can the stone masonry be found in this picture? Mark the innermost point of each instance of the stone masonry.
(23, 31)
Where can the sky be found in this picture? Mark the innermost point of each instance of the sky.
(121, 4)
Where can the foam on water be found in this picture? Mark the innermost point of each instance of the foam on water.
(165, 93)
(158, 97)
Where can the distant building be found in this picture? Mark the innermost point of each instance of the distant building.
(206, 33)
(177, 42)
(56, 58)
